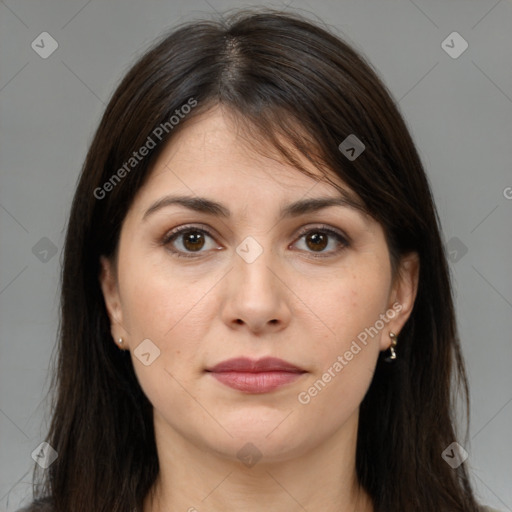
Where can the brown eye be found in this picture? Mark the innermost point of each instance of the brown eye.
(317, 241)
(189, 241)
(193, 240)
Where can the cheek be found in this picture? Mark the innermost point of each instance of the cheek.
(349, 308)
(348, 302)
(345, 361)
(174, 312)
(160, 303)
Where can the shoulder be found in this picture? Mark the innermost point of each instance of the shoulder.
(41, 505)
(44, 505)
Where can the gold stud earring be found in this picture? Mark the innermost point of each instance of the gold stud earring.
(394, 340)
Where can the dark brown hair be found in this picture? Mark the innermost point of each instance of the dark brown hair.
(292, 84)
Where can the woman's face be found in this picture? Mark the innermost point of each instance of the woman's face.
(250, 278)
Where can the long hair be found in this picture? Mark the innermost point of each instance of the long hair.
(299, 88)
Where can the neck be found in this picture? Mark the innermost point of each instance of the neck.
(195, 478)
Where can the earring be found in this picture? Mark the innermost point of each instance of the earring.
(120, 340)
(392, 355)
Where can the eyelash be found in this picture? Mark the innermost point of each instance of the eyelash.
(174, 234)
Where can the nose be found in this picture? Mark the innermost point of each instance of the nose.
(256, 296)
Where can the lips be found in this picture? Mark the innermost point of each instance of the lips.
(256, 376)
(246, 365)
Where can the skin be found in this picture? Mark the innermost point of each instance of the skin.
(287, 304)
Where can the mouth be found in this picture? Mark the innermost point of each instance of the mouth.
(256, 376)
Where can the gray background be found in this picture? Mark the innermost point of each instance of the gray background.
(459, 111)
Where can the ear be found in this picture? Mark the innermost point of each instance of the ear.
(402, 296)
(109, 287)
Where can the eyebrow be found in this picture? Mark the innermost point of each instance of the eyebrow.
(210, 207)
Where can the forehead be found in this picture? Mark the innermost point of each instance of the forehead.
(213, 155)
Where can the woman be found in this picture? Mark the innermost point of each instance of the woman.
(256, 306)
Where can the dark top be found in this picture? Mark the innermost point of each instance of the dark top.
(44, 506)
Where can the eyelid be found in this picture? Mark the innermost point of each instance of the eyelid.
(342, 239)
(175, 232)
(324, 227)
(187, 227)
